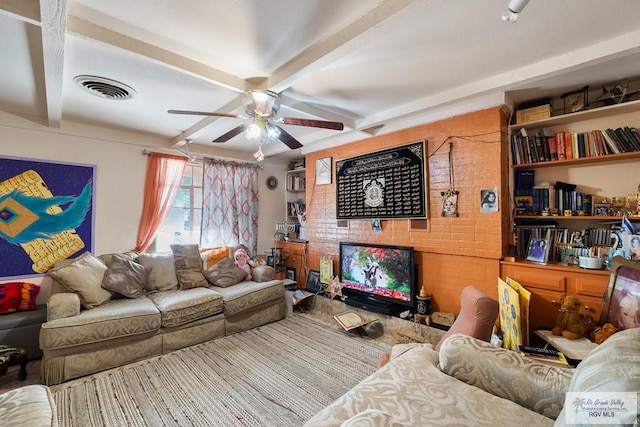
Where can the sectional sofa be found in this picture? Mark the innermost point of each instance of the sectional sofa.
(154, 310)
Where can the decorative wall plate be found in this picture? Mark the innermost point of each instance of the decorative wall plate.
(272, 183)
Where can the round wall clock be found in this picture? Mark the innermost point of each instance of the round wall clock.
(272, 183)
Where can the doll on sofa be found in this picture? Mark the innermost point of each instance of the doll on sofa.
(242, 260)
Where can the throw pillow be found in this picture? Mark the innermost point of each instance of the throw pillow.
(125, 276)
(83, 276)
(162, 276)
(106, 258)
(18, 296)
(263, 273)
(225, 273)
(188, 265)
(211, 256)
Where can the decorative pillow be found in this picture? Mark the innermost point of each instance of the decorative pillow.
(18, 296)
(211, 256)
(225, 273)
(188, 265)
(125, 276)
(162, 276)
(106, 258)
(263, 273)
(83, 276)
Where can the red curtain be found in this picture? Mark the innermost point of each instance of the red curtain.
(164, 173)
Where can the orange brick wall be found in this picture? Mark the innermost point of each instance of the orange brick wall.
(451, 252)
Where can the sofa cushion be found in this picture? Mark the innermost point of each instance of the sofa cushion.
(225, 273)
(114, 319)
(180, 307)
(188, 265)
(416, 393)
(83, 276)
(125, 276)
(505, 373)
(31, 405)
(612, 368)
(263, 273)
(162, 276)
(18, 296)
(246, 295)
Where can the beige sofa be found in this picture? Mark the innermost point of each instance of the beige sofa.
(78, 341)
(471, 383)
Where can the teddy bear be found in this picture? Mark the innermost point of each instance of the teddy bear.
(569, 323)
(242, 260)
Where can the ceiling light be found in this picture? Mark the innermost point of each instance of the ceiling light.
(259, 155)
(514, 8)
(263, 103)
(254, 130)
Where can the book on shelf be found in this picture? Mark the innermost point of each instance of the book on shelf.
(545, 355)
(350, 320)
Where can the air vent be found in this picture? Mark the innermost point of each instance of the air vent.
(105, 88)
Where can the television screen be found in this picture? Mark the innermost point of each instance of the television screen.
(385, 272)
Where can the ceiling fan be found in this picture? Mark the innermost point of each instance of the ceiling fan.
(261, 106)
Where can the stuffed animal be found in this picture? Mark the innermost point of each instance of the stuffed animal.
(601, 333)
(569, 323)
(242, 260)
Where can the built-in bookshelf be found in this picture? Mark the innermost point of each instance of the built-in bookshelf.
(296, 193)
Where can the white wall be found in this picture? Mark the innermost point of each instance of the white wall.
(120, 172)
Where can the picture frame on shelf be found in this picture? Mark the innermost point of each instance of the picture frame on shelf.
(313, 281)
(538, 250)
(600, 209)
(622, 297)
(290, 273)
(575, 101)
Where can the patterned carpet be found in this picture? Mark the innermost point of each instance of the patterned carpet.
(279, 374)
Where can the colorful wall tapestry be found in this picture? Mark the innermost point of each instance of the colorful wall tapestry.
(46, 214)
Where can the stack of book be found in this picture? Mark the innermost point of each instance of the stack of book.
(546, 355)
(572, 145)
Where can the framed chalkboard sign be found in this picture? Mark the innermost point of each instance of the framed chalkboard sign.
(384, 184)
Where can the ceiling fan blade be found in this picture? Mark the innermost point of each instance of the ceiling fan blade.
(312, 123)
(233, 132)
(289, 140)
(204, 113)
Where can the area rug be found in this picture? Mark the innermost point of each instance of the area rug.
(280, 374)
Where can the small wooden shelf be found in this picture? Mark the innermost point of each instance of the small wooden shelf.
(625, 107)
(581, 160)
(576, 217)
(556, 267)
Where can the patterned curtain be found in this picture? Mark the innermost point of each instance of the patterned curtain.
(164, 173)
(230, 205)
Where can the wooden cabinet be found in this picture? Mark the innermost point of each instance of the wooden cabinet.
(294, 255)
(548, 284)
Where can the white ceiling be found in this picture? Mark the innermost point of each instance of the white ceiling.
(377, 66)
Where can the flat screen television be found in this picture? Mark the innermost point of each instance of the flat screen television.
(381, 272)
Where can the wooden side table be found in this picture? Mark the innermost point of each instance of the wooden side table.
(10, 356)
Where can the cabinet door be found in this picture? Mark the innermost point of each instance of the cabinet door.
(543, 309)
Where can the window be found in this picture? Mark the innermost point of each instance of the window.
(182, 224)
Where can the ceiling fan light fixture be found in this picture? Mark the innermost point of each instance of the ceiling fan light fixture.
(513, 10)
(254, 131)
(263, 103)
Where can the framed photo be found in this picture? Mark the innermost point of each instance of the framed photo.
(524, 205)
(577, 100)
(326, 269)
(277, 256)
(631, 246)
(489, 200)
(269, 259)
(622, 298)
(290, 273)
(323, 171)
(538, 250)
(600, 209)
(313, 281)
